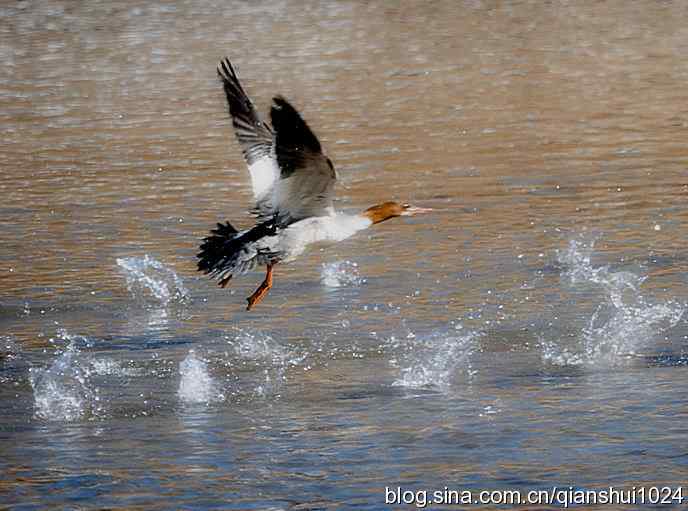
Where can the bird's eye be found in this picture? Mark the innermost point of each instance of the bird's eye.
(406, 206)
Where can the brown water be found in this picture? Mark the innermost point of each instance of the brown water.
(529, 333)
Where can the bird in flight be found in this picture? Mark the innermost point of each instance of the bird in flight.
(293, 187)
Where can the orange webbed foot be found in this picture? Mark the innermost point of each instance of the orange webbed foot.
(262, 290)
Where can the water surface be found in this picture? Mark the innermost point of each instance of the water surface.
(529, 333)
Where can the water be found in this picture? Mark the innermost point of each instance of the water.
(64, 390)
(196, 384)
(622, 325)
(341, 274)
(438, 361)
(150, 280)
(531, 332)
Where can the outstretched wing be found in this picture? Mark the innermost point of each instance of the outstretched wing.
(306, 184)
(254, 136)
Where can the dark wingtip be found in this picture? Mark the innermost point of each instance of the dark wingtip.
(281, 101)
(225, 70)
(282, 108)
(290, 127)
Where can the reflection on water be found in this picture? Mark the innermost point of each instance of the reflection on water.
(489, 345)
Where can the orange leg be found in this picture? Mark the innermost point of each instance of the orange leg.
(262, 290)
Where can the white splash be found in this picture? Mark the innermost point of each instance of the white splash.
(341, 274)
(149, 278)
(623, 324)
(9, 352)
(257, 350)
(196, 384)
(259, 347)
(555, 354)
(8, 348)
(110, 367)
(64, 391)
(440, 360)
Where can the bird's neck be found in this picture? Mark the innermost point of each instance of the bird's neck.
(379, 213)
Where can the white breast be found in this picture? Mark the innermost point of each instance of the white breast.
(322, 229)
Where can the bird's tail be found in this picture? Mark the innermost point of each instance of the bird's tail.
(214, 256)
(227, 252)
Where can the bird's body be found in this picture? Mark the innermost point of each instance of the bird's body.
(323, 230)
(293, 187)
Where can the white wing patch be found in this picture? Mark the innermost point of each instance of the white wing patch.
(264, 172)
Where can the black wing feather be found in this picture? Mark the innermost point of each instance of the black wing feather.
(295, 143)
(253, 134)
(307, 176)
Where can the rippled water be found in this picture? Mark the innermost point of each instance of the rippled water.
(531, 332)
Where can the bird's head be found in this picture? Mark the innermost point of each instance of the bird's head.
(386, 210)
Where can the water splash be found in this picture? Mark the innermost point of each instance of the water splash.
(258, 346)
(9, 350)
(260, 352)
(621, 286)
(64, 390)
(341, 274)
(110, 367)
(622, 324)
(9, 354)
(440, 360)
(196, 384)
(149, 278)
(556, 354)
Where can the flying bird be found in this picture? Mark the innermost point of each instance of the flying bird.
(293, 186)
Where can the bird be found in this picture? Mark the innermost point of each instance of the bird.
(293, 185)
